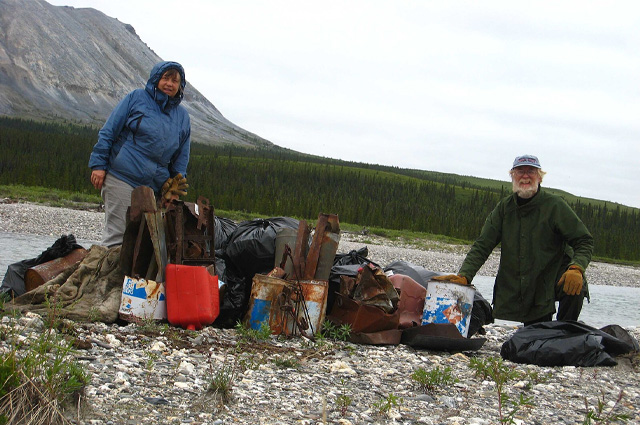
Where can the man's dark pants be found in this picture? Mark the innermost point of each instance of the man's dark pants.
(569, 307)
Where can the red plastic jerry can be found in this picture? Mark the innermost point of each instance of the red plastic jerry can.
(193, 300)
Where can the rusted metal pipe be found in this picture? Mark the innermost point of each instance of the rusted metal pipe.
(38, 275)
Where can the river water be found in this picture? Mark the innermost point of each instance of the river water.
(609, 304)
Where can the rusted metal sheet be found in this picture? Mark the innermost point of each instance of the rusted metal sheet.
(301, 249)
(361, 318)
(38, 275)
(374, 288)
(411, 303)
(347, 285)
(314, 249)
(189, 243)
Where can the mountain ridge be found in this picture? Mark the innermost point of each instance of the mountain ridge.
(65, 63)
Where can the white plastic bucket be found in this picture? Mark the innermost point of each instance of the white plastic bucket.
(448, 302)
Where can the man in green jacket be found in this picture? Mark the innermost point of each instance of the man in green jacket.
(545, 249)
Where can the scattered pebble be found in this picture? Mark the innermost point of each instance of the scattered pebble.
(164, 375)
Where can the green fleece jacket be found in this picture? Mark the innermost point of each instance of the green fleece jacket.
(534, 239)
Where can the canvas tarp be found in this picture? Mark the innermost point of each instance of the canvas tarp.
(89, 291)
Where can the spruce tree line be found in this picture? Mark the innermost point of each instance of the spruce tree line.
(273, 181)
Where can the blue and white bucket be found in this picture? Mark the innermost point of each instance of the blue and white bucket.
(142, 299)
(448, 302)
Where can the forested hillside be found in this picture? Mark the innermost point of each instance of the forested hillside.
(280, 182)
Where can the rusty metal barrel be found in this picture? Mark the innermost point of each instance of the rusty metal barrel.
(38, 275)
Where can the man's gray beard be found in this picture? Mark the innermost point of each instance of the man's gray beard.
(524, 193)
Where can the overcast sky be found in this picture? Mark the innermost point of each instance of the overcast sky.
(451, 86)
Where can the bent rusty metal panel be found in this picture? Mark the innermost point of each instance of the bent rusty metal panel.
(411, 303)
(361, 318)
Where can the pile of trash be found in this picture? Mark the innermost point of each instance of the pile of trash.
(195, 269)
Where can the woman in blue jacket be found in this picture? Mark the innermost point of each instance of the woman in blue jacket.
(144, 142)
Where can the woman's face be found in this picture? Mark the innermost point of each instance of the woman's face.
(169, 83)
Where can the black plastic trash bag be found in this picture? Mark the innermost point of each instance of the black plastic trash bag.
(565, 343)
(417, 273)
(234, 297)
(251, 249)
(13, 282)
(481, 314)
(353, 257)
(223, 229)
(252, 246)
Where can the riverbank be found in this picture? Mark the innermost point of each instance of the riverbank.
(442, 257)
(154, 373)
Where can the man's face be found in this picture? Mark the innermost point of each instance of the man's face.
(525, 181)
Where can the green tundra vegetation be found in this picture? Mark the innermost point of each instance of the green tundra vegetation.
(272, 181)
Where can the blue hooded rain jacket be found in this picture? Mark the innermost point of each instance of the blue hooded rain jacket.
(147, 137)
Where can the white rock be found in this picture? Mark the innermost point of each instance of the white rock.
(158, 347)
(186, 368)
(341, 367)
(112, 340)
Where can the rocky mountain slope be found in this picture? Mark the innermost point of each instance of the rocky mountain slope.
(62, 63)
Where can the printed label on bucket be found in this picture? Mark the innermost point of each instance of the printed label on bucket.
(445, 310)
(143, 299)
(448, 302)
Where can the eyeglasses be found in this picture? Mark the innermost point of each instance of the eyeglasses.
(521, 172)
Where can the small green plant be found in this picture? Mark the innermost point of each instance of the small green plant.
(221, 380)
(248, 361)
(151, 359)
(8, 376)
(535, 377)
(343, 401)
(430, 382)
(599, 416)
(385, 404)
(39, 379)
(52, 318)
(286, 363)
(249, 334)
(500, 373)
(338, 333)
(147, 325)
(94, 314)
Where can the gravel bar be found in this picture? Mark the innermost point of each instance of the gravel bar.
(157, 374)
